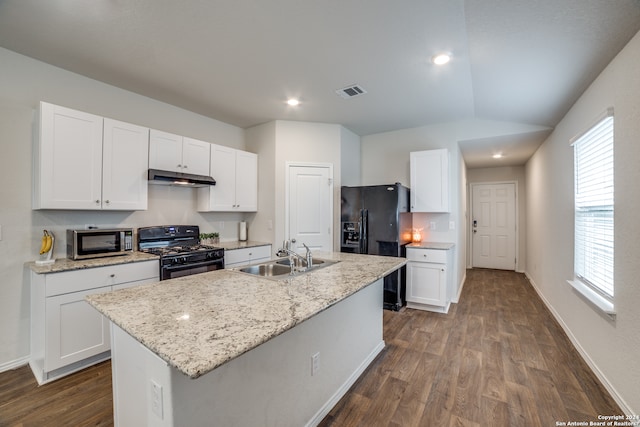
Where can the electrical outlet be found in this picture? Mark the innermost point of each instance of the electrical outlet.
(315, 364)
(433, 225)
(156, 399)
(452, 225)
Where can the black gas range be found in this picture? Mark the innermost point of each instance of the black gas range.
(179, 249)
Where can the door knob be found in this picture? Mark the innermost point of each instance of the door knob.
(293, 240)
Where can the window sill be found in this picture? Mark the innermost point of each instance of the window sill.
(597, 300)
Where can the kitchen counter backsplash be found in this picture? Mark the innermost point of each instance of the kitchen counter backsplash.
(432, 245)
(65, 264)
(229, 246)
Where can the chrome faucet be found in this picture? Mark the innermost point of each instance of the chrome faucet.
(307, 260)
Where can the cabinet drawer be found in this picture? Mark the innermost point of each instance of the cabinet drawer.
(90, 278)
(246, 255)
(427, 255)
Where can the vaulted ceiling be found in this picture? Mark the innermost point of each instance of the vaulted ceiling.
(519, 62)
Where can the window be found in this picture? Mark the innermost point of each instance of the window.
(594, 204)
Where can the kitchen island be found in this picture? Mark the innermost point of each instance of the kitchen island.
(229, 348)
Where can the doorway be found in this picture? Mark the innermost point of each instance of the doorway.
(309, 206)
(493, 226)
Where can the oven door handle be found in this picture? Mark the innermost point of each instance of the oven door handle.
(195, 265)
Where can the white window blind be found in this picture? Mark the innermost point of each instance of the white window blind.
(594, 202)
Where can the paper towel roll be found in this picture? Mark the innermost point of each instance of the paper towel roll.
(243, 231)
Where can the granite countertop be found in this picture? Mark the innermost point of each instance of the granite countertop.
(197, 323)
(65, 264)
(229, 246)
(432, 245)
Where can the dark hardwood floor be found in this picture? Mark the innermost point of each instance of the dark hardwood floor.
(496, 359)
(80, 399)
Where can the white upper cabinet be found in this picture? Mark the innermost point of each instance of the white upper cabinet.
(195, 156)
(246, 181)
(236, 175)
(125, 152)
(175, 153)
(429, 181)
(82, 161)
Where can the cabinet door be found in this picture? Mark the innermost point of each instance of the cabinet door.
(429, 181)
(246, 181)
(74, 329)
(426, 283)
(195, 156)
(256, 254)
(68, 160)
(165, 151)
(125, 163)
(220, 197)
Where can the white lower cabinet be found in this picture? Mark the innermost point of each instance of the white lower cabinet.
(67, 334)
(74, 330)
(245, 256)
(427, 279)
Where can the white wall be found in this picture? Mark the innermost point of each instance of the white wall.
(23, 83)
(611, 347)
(350, 158)
(284, 141)
(504, 174)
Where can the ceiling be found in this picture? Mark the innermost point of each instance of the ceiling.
(519, 62)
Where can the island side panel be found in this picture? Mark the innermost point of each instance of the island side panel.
(271, 385)
(135, 369)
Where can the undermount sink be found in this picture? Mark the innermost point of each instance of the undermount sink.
(267, 270)
(281, 268)
(299, 263)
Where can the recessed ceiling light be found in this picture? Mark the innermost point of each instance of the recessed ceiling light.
(497, 156)
(293, 102)
(441, 58)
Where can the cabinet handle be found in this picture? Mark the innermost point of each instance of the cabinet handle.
(107, 202)
(112, 275)
(97, 201)
(179, 166)
(185, 166)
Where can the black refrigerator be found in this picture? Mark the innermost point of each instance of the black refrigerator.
(375, 220)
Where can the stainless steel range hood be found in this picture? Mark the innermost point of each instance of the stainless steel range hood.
(179, 179)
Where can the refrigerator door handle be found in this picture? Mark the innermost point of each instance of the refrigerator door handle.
(364, 227)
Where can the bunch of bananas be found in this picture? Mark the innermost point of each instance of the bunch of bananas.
(47, 242)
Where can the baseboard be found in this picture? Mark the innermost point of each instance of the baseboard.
(344, 388)
(462, 281)
(585, 356)
(8, 366)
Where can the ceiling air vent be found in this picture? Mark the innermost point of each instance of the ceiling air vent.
(351, 91)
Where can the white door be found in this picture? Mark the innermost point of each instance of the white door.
(493, 226)
(310, 207)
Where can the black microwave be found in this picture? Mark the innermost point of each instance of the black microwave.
(96, 243)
